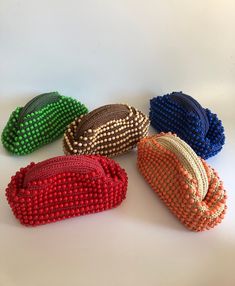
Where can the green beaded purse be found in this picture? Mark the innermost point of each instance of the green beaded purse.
(40, 121)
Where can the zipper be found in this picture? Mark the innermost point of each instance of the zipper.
(51, 167)
(191, 104)
(101, 116)
(37, 103)
(188, 158)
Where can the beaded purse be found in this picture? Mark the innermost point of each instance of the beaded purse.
(181, 114)
(64, 187)
(40, 121)
(109, 130)
(189, 187)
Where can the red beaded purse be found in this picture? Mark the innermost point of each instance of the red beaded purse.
(64, 187)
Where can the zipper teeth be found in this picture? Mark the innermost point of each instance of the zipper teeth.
(54, 166)
(194, 105)
(35, 103)
(189, 160)
(93, 117)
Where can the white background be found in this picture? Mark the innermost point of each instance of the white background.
(118, 51)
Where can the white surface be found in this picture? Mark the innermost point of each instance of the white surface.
(112, 51)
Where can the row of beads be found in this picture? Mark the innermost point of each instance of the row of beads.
(66, 194)
(179, 191)
(114, 137)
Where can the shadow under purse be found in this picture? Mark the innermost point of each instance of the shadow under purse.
(189, 187)
(181, 114)
(42, 120)
(108, 130)
(64, 187)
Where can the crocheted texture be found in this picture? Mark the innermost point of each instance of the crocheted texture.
(64, 187)
(190, 188)
(183, 115)
(40, 121)
(109, 130)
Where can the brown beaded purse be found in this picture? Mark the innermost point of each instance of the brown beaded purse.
(108, 130)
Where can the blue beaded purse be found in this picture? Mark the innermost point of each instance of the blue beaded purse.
(181, 114)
